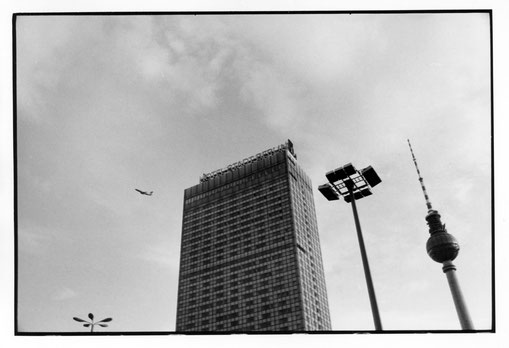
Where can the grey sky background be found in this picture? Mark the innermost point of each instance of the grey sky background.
(109, 104)
(354, 91)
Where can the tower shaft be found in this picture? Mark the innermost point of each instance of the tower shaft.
(459, 302)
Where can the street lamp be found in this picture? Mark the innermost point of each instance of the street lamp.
(352, 184)
(92, 323)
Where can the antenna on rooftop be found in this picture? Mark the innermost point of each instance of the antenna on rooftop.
(428, 203)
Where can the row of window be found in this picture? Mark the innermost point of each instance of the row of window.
(299, 175)
(252, 205)
(206, 295)
(256, 209)
(245, 167)
(229, 259)
(256, 225)
(204, 251)
(284, 325)
(235, 186)
(261, 312)
(271, 188)
(221, 269)
(234, 259)
(311, 270)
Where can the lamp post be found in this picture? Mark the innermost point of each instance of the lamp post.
(352, 184)
(91, 323)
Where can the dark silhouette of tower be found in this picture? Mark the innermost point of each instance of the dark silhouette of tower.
(443, 248)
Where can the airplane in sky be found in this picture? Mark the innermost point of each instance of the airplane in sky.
(145, 193)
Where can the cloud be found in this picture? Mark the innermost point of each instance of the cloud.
(155, 101)
(272, 93)
(64, 294)
(108, 56)
(33, 241)
(160, 255)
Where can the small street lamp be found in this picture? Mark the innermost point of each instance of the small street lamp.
(92, 323)
(352, 184)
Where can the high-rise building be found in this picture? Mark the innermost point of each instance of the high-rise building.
(250, 253)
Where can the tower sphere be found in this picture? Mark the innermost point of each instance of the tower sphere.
(442, 246)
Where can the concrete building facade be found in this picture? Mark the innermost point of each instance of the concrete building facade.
(250, 251)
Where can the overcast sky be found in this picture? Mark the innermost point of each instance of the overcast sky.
(107, 104)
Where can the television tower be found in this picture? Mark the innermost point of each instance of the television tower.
(442, 247)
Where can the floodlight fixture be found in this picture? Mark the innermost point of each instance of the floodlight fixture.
(328, 192)
(371, 176)
(358, 195)
(341, 173)
(350, 182)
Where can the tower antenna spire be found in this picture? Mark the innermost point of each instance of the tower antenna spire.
(421, 180)
(443, 248)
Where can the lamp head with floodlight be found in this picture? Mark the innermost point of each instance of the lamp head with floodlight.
(349, 182)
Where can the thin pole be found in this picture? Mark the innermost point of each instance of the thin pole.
(457, 296)
(421, 180)
(367, 273)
